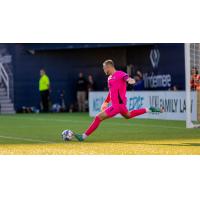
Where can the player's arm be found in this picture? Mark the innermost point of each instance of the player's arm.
(106, 102)
(129, 80)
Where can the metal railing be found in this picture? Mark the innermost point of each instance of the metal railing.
(4, 78)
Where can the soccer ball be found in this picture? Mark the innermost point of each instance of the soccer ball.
(67, 135)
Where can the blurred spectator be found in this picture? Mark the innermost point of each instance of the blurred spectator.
(81, 92)
(90, 87)
(195, 79)
(91, 83)
(139, 85)
(44, 87)
(129, 86)
(173, 88)
(139, 73)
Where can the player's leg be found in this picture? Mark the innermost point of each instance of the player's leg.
(93, 126)
(130, 114)
(108, 113)
(134, 113)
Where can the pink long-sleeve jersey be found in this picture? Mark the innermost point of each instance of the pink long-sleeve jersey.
(117, 87)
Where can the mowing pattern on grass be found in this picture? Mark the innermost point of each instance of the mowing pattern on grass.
(40, 134)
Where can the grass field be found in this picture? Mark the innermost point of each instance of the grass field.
(40, 134)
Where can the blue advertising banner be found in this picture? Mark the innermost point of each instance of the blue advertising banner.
(172, 102)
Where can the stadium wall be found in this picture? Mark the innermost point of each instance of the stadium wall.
(162, 65)
(63, 65)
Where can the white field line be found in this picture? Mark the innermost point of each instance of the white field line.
(84, 122)
(25, 139)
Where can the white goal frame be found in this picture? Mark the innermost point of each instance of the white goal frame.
(189, 123)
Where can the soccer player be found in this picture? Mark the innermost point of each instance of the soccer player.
(117, 82)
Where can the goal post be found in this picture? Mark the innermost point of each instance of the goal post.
(192, 63)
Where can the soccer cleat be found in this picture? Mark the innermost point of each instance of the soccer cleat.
(79, 137)
(156, 110)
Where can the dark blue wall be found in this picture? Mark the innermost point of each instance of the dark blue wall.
(63, 66)
(171, 61)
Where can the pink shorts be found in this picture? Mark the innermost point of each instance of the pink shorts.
(116, 109)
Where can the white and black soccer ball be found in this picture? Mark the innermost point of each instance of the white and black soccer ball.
(67, 135)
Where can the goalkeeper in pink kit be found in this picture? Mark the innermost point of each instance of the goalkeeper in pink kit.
(117, 82)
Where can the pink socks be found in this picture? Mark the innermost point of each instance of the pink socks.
(135, 113)
(93, 126)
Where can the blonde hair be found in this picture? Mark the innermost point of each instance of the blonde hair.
(109, 62)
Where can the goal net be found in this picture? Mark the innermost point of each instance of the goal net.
(192, 86)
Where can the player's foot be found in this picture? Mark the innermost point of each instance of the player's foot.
(79, 137)
(156, 110)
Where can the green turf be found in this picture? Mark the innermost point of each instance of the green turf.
(40, 134)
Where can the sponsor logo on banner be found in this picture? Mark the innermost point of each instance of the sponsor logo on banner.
(174, 103)
(153, 81)
(157, 81)
(135, 102)
(170, 105)
(155, 57)
(96, 103)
